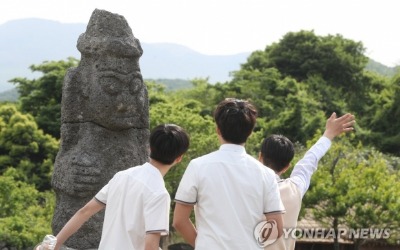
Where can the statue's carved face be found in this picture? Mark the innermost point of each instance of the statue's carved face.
(117, 93)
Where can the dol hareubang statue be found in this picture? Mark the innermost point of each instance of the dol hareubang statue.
(105, 121)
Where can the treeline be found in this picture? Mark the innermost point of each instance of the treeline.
(295, 83)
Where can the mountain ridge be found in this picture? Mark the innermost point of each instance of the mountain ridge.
(33, 40)
(24, 42)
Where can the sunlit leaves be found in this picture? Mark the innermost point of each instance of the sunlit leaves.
(42, 97)
(25, 147)
(356, 186)
(25, 213)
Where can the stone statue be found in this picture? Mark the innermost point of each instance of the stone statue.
(105, 121)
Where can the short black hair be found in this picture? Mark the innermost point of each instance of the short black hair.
(168, 142)
(277, 151)
(235, 119)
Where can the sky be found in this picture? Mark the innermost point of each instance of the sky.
(222, 27)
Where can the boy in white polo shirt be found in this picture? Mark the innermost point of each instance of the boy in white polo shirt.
(277, 152)
(224, 188)
(136, 200)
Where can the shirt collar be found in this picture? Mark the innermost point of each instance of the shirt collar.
(233, 148)
(153, 169)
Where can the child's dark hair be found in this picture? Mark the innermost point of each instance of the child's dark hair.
(277, 151)
(235, 119)
(168, 142)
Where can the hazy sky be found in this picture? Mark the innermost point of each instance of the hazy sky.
(232, 26)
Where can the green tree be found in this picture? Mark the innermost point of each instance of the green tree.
(302, 54)
(331, 67)
(385, 124)
(283, 103)
(208, 95)
(355, 187)
(25, 213)
(42, 97)
(25, 147)
(294, 80)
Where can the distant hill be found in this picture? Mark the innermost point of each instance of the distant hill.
(31, 41)
(172, 84)
(171, 61)
(381, 68)
(12, 95)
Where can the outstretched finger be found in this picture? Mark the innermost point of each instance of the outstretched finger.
(348, 129)
(349, 124)
(344, 117)
(347, 119)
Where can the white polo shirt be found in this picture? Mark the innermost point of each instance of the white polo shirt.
(294, 188)
(232, 192)
(137, 203)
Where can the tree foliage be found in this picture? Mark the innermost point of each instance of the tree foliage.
(25, 147)
(286, 105)
(355, 187)
(386, 122)
(308, 74)
(42, 97)
(303, 54)
(25, 213)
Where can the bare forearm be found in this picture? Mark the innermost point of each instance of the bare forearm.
(151, 247)
(76, 221)
(279, 222)
(187, 230)
(182, 223)
(152, 241)
(70, 228)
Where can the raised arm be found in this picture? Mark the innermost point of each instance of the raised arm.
(303, 170)
(76, 221)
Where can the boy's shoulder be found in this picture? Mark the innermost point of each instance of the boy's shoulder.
(267, 172)
(206, 158)
(131, 169)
